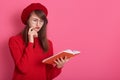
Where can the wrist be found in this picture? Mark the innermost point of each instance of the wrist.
(31, 39)
(59, 67)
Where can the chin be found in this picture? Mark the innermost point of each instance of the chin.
(37, 30)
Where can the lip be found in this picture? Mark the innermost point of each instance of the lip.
(36, 27)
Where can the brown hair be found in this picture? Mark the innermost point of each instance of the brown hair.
(42, 35)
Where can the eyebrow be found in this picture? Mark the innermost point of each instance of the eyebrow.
(36, 18)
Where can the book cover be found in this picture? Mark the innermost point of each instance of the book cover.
(68, 53)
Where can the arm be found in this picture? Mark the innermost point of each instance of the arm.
(22, 58)
(52, 71)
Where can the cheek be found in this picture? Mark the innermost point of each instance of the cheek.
(42, 24)
(32, 24)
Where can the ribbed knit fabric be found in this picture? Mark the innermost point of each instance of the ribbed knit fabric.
(28, 60)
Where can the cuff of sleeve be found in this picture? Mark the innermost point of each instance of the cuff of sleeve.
(30, 44)
(58, 68)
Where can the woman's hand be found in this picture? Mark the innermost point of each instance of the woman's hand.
(31, 34)
(60, 62)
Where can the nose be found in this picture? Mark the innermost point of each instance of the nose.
(38, 23)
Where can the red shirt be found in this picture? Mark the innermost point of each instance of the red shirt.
(28, 60)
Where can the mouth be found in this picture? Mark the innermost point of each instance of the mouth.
(37, 28)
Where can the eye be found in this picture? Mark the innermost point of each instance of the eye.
(35, 20)
(41, 21)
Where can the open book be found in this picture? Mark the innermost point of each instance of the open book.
(68, 53)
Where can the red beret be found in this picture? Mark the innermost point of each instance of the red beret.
(34, 6)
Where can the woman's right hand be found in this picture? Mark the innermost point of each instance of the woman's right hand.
(31, 34)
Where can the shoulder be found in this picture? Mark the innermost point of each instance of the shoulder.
(16, 38)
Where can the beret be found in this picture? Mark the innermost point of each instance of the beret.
(33, 6)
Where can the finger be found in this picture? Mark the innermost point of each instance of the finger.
(31, 28)
(62, 59)
(66, 59)
(56, 62)
(59, 60)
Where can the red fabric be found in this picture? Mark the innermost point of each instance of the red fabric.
(34, 6)
(28, 60)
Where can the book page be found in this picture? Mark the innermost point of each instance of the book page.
(76, 52)
(71, 51)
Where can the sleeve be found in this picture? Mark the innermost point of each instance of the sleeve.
(52, 72)
(22, 58)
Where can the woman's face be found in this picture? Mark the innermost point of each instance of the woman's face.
(35, 22)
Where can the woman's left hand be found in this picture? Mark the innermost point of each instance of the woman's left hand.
(61, 61)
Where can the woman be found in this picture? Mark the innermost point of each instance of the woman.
(30, 47)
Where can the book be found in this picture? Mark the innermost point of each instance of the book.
(68, 53)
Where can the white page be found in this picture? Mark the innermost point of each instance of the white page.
(71, 51)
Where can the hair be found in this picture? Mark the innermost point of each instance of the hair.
(42, 35)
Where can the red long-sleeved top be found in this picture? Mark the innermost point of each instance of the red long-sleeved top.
(28, 60)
